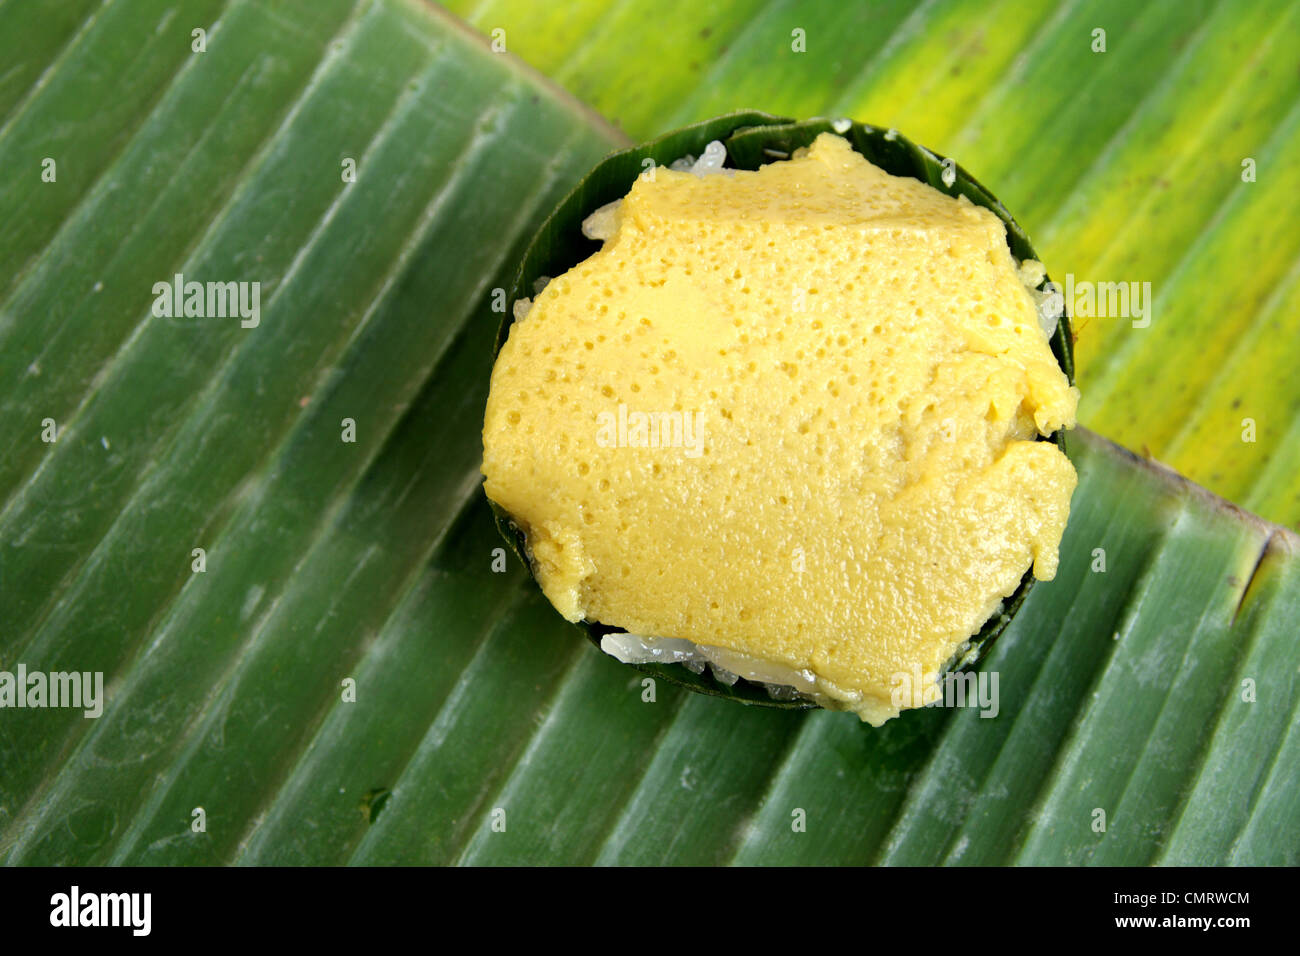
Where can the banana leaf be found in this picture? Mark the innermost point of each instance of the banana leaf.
(344, 675)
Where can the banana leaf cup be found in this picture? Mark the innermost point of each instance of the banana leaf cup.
(753, 139)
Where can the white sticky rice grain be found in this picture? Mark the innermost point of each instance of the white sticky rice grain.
(715, 154)
(602, 223)
(780, 681)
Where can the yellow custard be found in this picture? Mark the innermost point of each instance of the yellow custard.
(790, 414)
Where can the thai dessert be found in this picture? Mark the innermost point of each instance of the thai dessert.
(786, 423)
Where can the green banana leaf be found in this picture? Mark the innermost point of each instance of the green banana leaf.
(343, 675)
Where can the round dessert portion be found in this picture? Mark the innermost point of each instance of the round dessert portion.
(786, 420)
